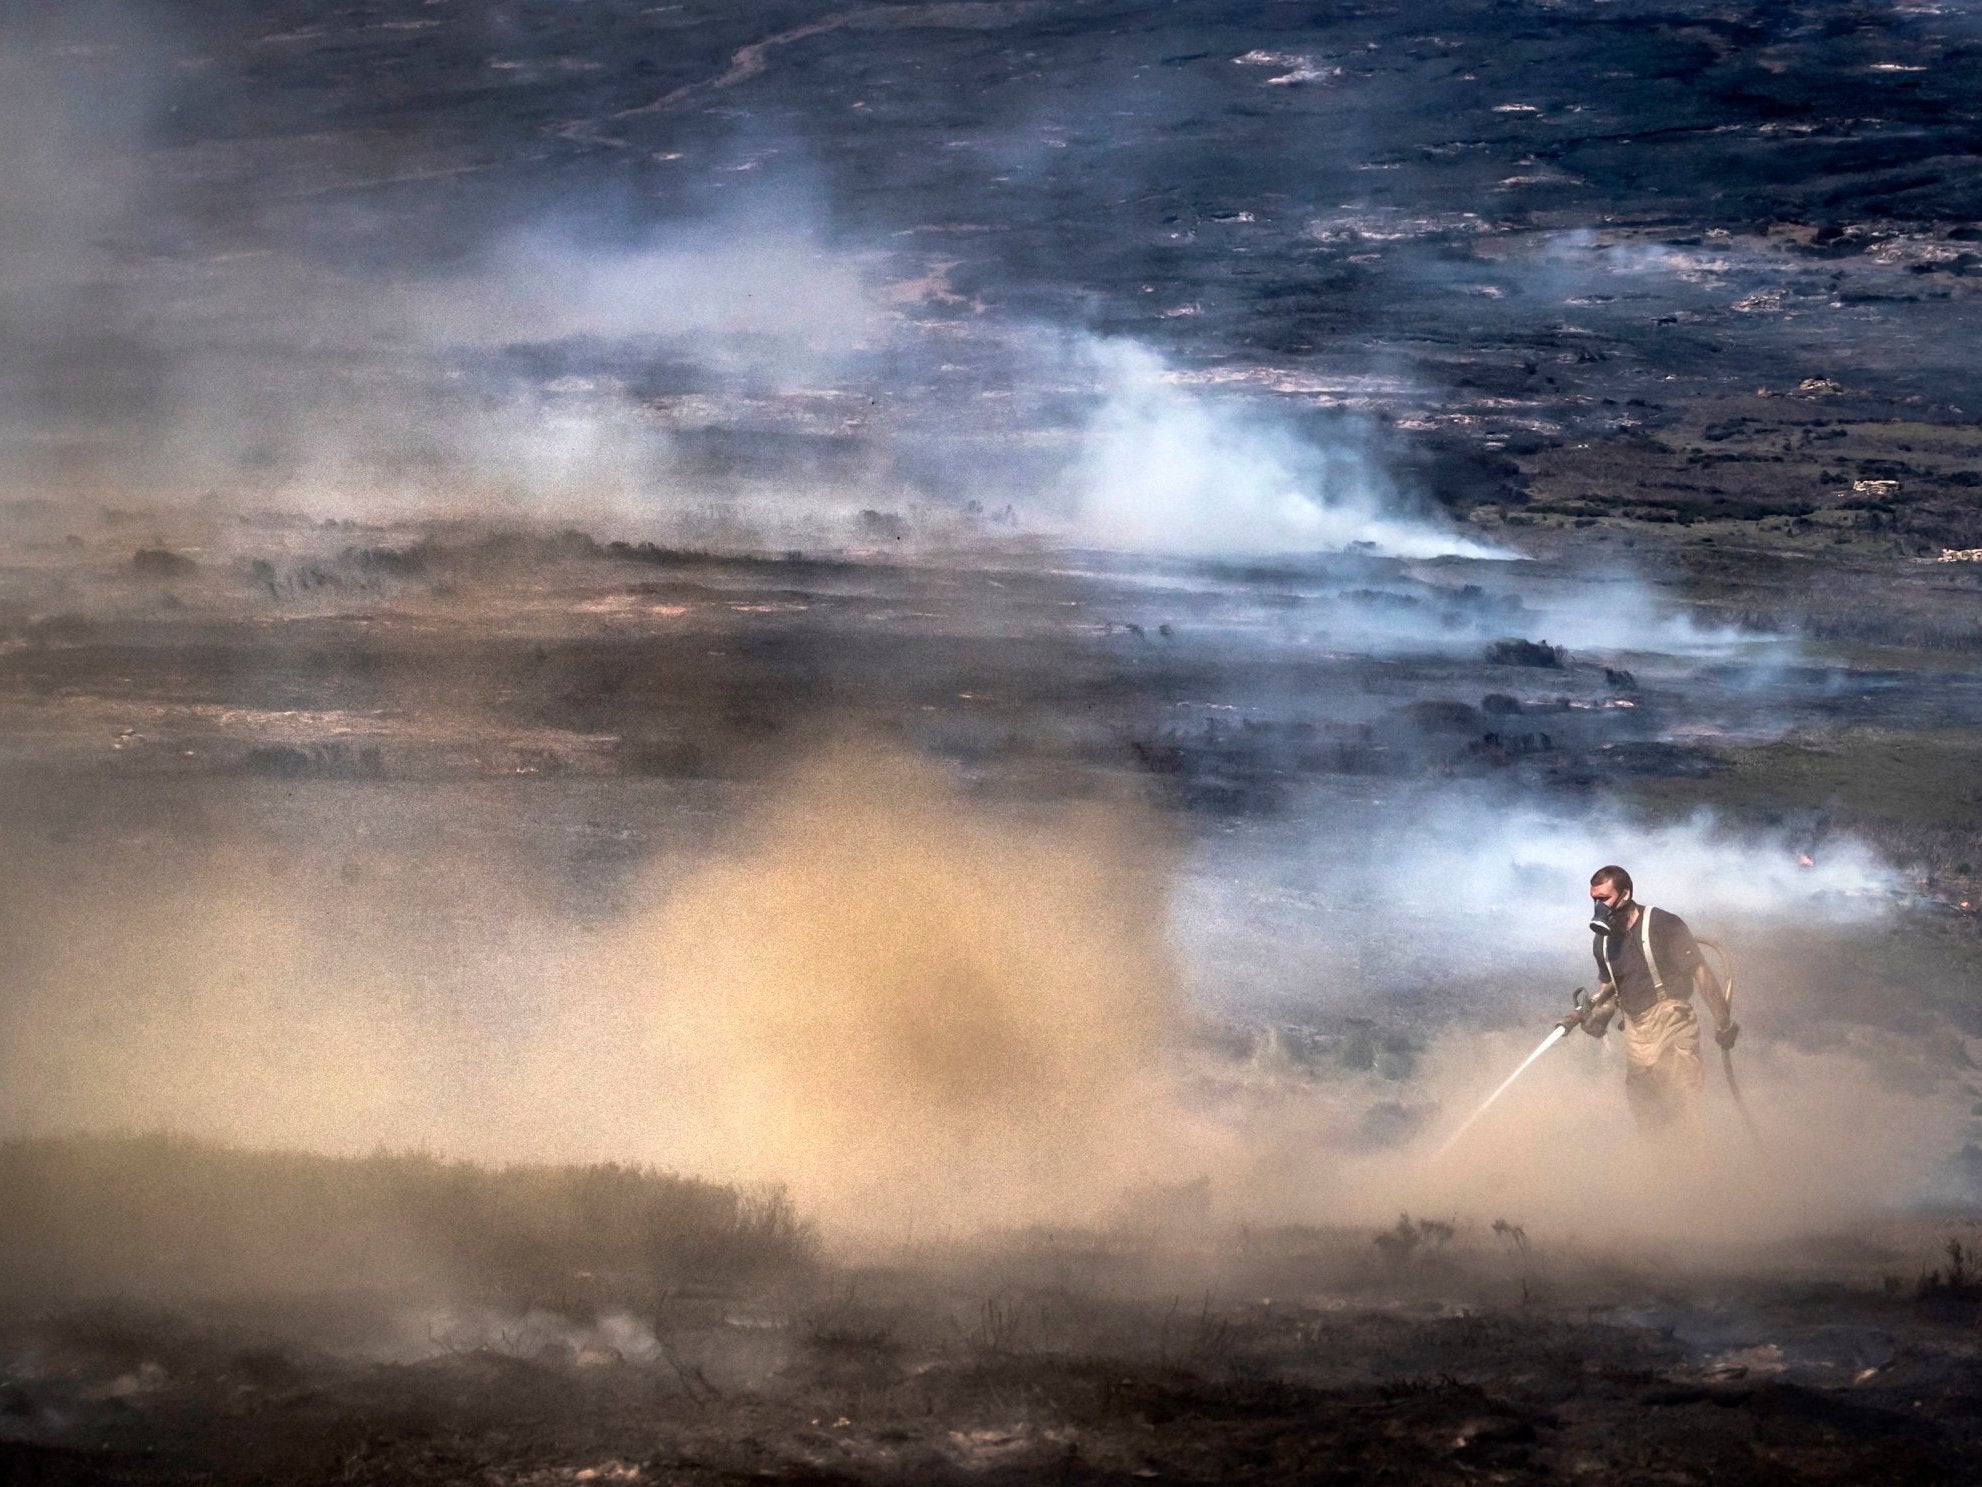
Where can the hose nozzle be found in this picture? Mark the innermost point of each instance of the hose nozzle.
(1591, 1011)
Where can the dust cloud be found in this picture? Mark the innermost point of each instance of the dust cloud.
(1840, 1134)
(916, 1010)
(903, 1001)
(923, 1012)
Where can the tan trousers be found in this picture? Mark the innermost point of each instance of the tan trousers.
(1663, 1074)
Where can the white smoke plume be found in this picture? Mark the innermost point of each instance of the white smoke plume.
(1163, 468)
(758, 294)
(1463, 904)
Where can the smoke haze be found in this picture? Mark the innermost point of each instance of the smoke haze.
(926, 1013)
(550, 371)
(867, 979)
(1163, 469)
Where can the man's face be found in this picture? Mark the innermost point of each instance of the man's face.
(1609, 895)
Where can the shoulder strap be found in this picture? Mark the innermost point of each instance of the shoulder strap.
(1645, 939)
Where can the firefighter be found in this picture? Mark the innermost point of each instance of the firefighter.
(1649, 962)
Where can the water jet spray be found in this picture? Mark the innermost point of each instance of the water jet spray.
(1590, 1011)
(1555, 1035)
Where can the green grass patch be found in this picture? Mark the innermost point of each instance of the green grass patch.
(1926, 778)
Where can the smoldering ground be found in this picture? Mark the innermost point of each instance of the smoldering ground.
(740, 352)
(1196, 898)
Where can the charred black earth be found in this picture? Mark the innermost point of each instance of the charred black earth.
(1365, 465)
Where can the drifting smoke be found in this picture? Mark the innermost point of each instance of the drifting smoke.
(1448, 925)
(519, 379)
(915, 1009)
(75, 94)
(895, 998)
(1530, 869)
(748, 295)
(1165, 469)
(556, 371)
(1444, 904)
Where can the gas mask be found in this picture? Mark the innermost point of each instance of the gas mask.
(1602, 920)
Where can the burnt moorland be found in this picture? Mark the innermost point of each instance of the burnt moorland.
(1250, 504)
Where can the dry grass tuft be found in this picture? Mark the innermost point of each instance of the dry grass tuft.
(168, 1215)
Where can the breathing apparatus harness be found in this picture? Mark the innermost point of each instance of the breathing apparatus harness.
(1593, 1012)
(1606, 931)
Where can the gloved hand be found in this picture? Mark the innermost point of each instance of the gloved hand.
(1725, 1036)
(1592, 1013)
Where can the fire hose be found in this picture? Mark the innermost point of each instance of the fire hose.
(1592, 1013)
(1727, 1049)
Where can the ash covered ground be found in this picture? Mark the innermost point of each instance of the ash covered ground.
(795, 743)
